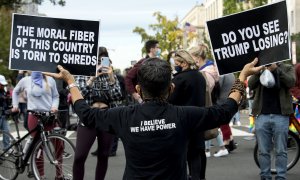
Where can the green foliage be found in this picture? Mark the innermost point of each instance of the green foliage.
(7, 7)
(257, 3)
(5, 28)
(15, 4)
(230, 7)
(166, 31)
(235, 6)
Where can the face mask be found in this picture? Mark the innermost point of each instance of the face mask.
(178, 68)
(158, 53)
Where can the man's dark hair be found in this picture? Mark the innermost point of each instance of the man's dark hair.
(150, 44)
(154, 77)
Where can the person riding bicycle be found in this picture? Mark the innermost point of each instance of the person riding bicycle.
(42, 95)
(272, 105)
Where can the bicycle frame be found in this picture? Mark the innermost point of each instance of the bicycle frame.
(23, 160)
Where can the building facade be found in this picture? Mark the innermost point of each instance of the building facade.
(196, 19)
(213, 9)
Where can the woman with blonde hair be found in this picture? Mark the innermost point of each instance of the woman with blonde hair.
(205, 65)
(212, 76)
(190, 87)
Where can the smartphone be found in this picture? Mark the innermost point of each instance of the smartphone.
(105, 62)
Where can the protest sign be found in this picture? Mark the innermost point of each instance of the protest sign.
(262, 32)
(41, 43)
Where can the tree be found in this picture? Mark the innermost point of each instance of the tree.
(15, 4)
(166, 31)
(235, 6)
(230, 7)
(257, 3)
(5, 28)
(7, 7)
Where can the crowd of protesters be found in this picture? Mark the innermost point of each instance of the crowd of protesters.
(195, 83)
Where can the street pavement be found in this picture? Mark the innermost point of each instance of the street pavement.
(239, 165)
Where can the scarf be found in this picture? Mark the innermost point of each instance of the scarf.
(208, 63)
(37, 78)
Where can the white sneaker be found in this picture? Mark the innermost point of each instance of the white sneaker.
(221, 152)
(207, 154)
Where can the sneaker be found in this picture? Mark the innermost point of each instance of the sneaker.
(231, 146)
(207, 154)
(221, 152)
(66, 155)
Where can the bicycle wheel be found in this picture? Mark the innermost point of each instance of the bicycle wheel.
(53, 159)
(293, 152)
(9, 159)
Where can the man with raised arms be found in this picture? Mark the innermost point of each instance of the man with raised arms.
(156, 154)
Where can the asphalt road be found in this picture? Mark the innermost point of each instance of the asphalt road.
(239, 165)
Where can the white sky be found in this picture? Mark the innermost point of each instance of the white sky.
(118, 19)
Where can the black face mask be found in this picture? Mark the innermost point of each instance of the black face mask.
(178, 69)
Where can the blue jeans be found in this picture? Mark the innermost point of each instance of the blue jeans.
(267, 128)
(4, 126)
(219, 139)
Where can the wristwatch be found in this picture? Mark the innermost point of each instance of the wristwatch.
(71, 86)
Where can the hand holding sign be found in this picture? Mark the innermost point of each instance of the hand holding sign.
(41, 43)
(237, 38)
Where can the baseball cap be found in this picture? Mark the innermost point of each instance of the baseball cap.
(2, 80)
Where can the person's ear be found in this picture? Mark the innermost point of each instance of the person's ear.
(138, 89)
(172, 87)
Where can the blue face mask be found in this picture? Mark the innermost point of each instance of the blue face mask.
(158, 53)
(178, 69)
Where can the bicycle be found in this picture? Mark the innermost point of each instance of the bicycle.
(44, 152)
(293, 147)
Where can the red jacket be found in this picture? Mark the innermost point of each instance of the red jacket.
(131, 77)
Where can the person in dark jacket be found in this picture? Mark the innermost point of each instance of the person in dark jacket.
(152, 50)
(155, 134)
(4, 126)
(190, 88)
(272, 105)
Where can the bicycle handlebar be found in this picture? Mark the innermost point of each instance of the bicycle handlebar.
(40, 113)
